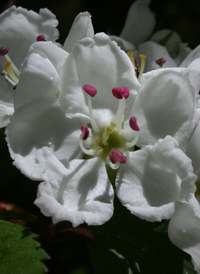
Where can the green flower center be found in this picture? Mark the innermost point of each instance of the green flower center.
(107, 140)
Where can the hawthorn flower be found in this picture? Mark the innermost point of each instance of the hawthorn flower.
(80, 122)
(19, 29)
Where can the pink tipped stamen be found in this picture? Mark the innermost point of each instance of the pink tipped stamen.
(90, 90)
(160, 62)
(121, 92)
(116, 156)
(133, 123)
(41, 37)
(85, 132)
(3, 51)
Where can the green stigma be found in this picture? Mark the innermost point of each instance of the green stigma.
(107, 140)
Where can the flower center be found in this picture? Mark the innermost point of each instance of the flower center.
(109, 143)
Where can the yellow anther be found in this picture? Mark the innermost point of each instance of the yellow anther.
(143, 57)
(11, 72)
(130, 55)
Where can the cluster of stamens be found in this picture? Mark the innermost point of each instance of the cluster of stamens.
(109, 143)
(138, 69)
(11, 73)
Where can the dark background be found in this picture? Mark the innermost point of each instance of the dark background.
(109, 15)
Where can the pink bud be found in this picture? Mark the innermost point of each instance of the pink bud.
(90, 90)
(85, 132)
(133, 123)
(116, 156)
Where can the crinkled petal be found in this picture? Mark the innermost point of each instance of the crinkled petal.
(165, 105)
(191, 57)
(80, 193)
(82, 27)
(19, 28)
(154, 179)
(100, 63)
(39, 78)
(153, 52)
(168, 38)
(139, 24)
(194, 76)
(184, 230)
(39, 123)
(193, 150)
(6, 111)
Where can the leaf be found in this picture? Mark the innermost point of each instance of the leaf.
(188, 267)
(129, 245)
(19, 252)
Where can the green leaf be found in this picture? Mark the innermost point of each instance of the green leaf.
(188, 267)
(19, 252)
(129, 245)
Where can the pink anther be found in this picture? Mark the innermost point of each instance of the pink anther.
(133, 123)
(116, 156)
(41, 37)
(90, 90)
(160, 62)
(120, 92)
(85, 132)
(3, 51)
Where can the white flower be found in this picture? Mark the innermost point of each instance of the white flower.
(95, 87)
(19, 28)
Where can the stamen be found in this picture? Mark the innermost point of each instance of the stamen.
(133, 123)
(161, 61)
(5, 75)
(41, 37)
(3, 51)
(91, 91)
(11, 72)
(116, 158)
(12, 65)
(120, 93)
(85, 132)
(86, 151)
(130, 55)
(143, 57)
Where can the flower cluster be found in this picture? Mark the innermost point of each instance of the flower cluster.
(92, 121)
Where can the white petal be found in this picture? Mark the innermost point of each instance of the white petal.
(123, 44)
(139, 24)
(100, 63)
(183, 53)
(39, 78)
(6, 111)
(165, 105)
(154, 179)
(19, 28)
(191, 57)
(173, 42)
(193, 150)
(42, 123)
(78, 194)
(153, 52)
(82, 27)
(184, 230)
(194, 75)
